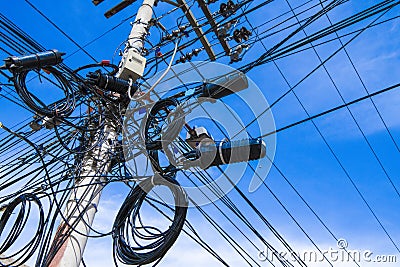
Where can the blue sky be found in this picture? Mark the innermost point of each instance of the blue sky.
(301, 154)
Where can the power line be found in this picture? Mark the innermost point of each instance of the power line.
(61, 31)
(52, 160)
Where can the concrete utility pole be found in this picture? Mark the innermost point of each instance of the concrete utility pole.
(82, 204)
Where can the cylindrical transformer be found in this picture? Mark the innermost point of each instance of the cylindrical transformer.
(42, 59)
(109, 82)
(227, 152)
(224, 86)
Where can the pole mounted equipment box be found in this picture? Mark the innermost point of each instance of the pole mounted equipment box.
(132, 66)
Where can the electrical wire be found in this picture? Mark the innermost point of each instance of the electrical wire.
(128, 219)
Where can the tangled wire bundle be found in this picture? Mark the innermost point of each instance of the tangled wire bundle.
(24, 200)
(128, 220)
(62, 108)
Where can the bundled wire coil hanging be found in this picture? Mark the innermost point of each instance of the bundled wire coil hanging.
(157, 242)
(62, 108)
(24, 200)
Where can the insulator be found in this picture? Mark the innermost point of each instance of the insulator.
(49, 123)
(145, 52)
(152, 22)
(35, 126)
(224, 86)
(42, 59)
(242, 34)
(109, 82)
(175, 33)
(237, 36)
(223, 9)
(167, 38)
(245, 33)
(196, 51)
(231, 5)
(158, 52)
(222, 32)
(227, 9)
(197, 135)
(228, 152)
(188, 56)
(183, 28)
(235, 54)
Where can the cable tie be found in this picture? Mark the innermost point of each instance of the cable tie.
(95, 206)
(152, 181)
(105, 62)
(129, 88)
(220, 151)
(105, 86)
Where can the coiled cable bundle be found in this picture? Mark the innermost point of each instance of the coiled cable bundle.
(20, 66)
(62, 108)
(17, 228)
(128, 221)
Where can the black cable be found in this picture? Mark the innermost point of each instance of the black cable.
(14, 233)
(63, 108)
(60, 30)
(128, 217)
(196, 237)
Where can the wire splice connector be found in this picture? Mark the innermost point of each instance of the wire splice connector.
(109, 82)
(38, 60)
(224, 86)
(228, 152)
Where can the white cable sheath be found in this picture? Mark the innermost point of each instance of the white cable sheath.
(162, 76)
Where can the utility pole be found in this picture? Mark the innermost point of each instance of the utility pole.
(69, 244)
(197, 29)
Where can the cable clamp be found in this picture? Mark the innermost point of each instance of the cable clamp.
(129, 88)
(152, 180)
(105, 86)
(220, 151)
